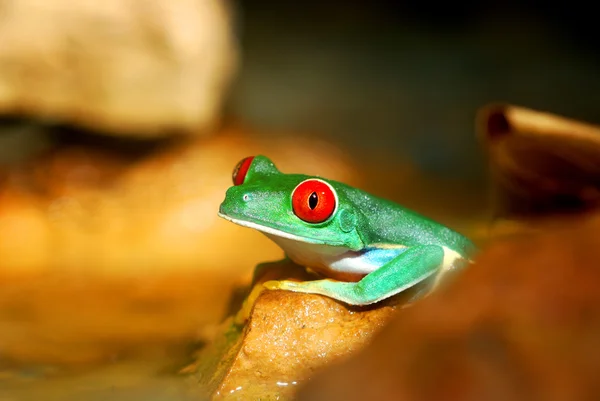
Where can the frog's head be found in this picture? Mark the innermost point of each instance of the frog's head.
(293, 206)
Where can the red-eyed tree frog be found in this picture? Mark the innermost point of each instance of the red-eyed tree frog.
(368, 248)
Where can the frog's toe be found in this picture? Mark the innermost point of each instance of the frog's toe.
(281, 285)
(272, 285)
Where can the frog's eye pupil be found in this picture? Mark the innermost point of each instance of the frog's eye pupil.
(240, 170)
(313, 200)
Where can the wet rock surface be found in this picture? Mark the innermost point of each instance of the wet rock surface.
(287, 338)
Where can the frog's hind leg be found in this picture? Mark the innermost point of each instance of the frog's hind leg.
(407, 269)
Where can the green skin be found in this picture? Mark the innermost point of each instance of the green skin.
(361, 224)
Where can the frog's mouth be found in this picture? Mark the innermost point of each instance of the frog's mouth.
(276, 232)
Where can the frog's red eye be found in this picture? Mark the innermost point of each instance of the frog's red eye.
(240, 171)
(313, 201)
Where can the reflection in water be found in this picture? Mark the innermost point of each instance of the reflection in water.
(140, 379)
(85, 338)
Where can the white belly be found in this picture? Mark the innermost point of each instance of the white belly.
(335, 260)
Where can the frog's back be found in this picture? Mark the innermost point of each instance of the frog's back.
(391, 224)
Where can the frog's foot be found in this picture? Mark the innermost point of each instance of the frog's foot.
(404, 271)
(342, 291)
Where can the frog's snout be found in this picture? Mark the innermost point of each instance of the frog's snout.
(235, 200)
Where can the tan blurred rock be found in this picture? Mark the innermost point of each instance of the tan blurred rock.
(523, 323)
(97, 210)
(287, 338)
(137, 68)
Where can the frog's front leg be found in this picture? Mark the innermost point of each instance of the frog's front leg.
(404, 271)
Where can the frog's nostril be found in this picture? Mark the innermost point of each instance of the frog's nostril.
(246, 197)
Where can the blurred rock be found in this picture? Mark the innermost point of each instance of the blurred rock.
(125, 212)
(540, 163)
(144, 68)
(20, 141)
(522, 324)
(287, 337)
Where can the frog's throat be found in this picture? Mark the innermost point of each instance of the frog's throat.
(278, 233)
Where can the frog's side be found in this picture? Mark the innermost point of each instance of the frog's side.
(372, 248)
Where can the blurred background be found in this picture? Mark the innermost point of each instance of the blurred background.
(410, 75)
(122, 122)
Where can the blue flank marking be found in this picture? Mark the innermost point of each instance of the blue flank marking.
(379, 257)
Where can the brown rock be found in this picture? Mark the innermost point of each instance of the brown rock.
(523, 323)
(288, 336)
(138, 68)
